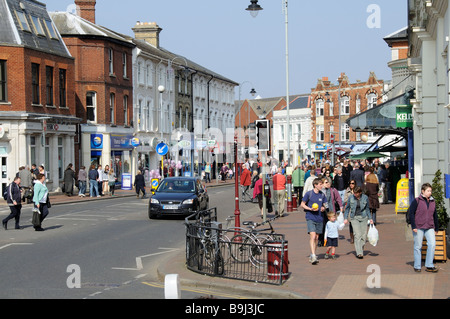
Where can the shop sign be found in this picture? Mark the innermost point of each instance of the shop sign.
(121, 141)
(404, 116)
(96, 141)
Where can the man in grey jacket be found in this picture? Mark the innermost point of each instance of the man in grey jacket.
(358, 175)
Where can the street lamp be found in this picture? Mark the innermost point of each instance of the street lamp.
(254, 8)
(253, 93)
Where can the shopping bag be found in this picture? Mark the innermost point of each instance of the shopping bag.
(372, 235)
(340, 221)
(36, 219)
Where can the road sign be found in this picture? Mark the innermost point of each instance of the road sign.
(162, 148)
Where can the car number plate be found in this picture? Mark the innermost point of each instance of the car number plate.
(170, 207)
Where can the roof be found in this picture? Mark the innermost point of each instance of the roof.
(70, 24)
(27, 23)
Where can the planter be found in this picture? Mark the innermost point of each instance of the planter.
(440, 252)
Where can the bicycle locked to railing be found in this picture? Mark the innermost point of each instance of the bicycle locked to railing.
(248, 253)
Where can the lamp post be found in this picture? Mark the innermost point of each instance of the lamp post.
(254, 9)
(161, 90)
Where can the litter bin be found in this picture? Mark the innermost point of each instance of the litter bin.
(294, 201)
(277, 260)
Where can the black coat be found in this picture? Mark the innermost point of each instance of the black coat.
(139, 181)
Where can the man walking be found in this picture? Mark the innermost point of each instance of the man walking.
(279, 189)
(298, 181)
(13, 199)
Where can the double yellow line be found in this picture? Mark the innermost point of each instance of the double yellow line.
(199, 291)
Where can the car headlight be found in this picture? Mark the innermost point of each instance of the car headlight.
(154, 201)
(188, 201)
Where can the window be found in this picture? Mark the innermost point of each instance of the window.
(91, 106)
(62, 88)
(23, 21)
(112, 101)
(331, 106)
(371, 100)
(358, 105)
(148, 116)
(111, 61)
(35, 83)
(37, 26)
(319, 107)
(320, 135)
(50, 29)
(345, 132)
(33, 149)
(49, 85)
(345, 105)
(3, 82)
(140, 118)
(299, 132)
(125, 65)
(125, 110)
(282, 132)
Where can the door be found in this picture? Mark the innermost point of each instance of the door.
(4, 172)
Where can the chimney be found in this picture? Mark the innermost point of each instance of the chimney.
(86, 9)
(147, 31)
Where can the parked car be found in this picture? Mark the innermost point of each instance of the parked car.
(178, 196)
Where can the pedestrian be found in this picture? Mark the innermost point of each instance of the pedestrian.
(314, 204)
(334, 204)
(208, 173)
(82, 175)
(372, 188)
(346, 169)
(69, 178)
(26, 183)
(93, 181)
(357, 174)
(139, 184)
(246, 181)
(424, 223)
(339, 182)
(112, 182)
(309, 181)
(100, 181)
(386, 178)
(332, 235)
(14, 201)
(348, 192)
(43, 172)
(105, 179)
(358, 212)
(298, 181)
(40, 200)
(279, 189)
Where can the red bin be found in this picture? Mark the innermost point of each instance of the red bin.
(294, 201)
(277, 260)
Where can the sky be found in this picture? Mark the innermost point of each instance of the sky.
(326, 37)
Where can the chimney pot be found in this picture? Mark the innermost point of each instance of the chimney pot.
(86, 9)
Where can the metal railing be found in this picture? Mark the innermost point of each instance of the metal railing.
(235, 253)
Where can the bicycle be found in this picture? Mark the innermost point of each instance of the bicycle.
(249, 243)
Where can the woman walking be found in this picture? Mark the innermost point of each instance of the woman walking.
(372, 188)
(347, 194)
(357, 210)
(69, 178)
(40, 200)
(111, 182)
(82, 176)
(139, 184)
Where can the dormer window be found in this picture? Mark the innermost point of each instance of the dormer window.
(23, 21)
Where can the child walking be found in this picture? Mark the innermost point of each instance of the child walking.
(332, 234)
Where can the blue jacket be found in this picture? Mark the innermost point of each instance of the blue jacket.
(350, 207)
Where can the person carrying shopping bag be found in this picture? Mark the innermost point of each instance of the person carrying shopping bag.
(41, 201)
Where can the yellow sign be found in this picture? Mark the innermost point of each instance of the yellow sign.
(154, 185)
(402, 200)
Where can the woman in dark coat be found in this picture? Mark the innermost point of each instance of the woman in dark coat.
(69, 178)
(372, 188)
(139, 184)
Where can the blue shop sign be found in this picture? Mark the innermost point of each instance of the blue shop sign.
(96, 141)
(123, 141)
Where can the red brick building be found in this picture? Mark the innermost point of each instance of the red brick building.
(37, 101)
(333, 103)
(103, 86)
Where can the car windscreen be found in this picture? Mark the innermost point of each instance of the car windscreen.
(176, 186)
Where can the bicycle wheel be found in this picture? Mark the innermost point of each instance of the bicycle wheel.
(242, 245)
(225, 248)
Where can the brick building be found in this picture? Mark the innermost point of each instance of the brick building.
(328, 118)
(37, 103)
(103, 86)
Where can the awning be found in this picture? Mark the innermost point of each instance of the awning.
(380, 119)
(367, 155)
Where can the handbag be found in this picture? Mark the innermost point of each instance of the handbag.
(36, 219)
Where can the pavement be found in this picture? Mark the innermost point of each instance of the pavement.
(385, 272)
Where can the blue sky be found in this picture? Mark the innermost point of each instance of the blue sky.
(326, 37)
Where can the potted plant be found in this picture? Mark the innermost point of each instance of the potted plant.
(443, 218)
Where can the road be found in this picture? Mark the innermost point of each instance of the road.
(102, 249)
